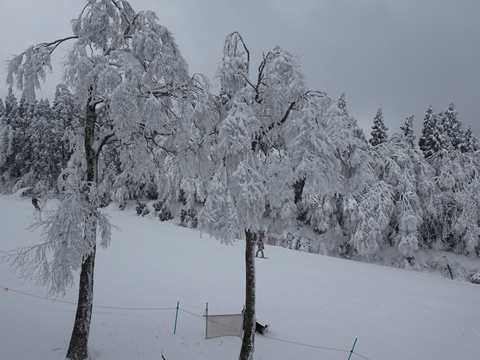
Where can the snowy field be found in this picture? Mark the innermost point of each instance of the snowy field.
(316, 306)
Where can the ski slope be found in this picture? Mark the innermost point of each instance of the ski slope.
(316, 305)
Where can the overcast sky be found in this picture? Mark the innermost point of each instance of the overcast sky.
(400, 55)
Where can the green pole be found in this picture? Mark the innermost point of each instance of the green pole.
(206, 320)
(176, 317)
(353, 347)
(450, 271)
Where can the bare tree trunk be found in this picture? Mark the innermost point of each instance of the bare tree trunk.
(78, 348)
(248, 342)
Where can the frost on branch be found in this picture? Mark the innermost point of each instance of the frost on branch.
(28, 69)
(68, 239)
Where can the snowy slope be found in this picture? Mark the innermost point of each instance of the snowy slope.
(316, 306)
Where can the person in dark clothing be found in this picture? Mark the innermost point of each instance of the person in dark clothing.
(35, 202)
(260, 247)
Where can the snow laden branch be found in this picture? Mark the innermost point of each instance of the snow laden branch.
(27, 69)
(67, 242)
(132, 84)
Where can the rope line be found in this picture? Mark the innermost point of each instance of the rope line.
(276, 339)
(6, 290)
(307, 345)
(363, 357)
(95, 306)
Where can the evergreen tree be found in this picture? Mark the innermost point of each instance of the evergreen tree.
(3, 139)
(65, 113)
(9, 141)
(470, 142)
(44, 147)
(453, 128)
(453, 225)
(428, 141)
(408, 132)
(379, 130)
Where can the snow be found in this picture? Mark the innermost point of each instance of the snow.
(316, 305)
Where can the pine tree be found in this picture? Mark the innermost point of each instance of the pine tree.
(64, 112)
(470, 142)
(434, 139)
(45, 144)
(427, 139)
(9, 142)
(408, 132)
(3, 142)
(379, 130)
(453, 127)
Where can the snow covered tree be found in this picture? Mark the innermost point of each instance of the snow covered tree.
(453, 127)
(9, 141)
(269, 137)
(45, 143)
(379, 130)
(393, 206)
(3, 142)
(453, 225)
(65, 114)
(470, 142)
(429, 142)
(128, 76)
(354, 166)
(408, 132)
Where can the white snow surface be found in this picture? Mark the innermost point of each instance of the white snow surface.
(316, 305)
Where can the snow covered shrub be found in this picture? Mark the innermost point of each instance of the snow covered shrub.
(142, 209)
(162, 211)
(475, 279)
(404, 262)
(188, 218)
(300, 243)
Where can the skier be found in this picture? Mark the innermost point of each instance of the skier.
(260, 247)
(35, 202)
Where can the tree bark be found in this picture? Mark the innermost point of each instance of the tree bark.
(248, 342)
(78, 348)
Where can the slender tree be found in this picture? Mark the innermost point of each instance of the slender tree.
(127, 74)
(253, 118)
(453, 127)
(379, 130)
(8, 140)
(428, 140)
(470, 142)
(408, 132)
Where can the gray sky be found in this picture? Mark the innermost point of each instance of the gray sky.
(400, 55)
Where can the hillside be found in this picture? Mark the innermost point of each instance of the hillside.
(316, 305)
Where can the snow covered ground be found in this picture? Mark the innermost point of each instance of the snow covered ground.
(316, 306)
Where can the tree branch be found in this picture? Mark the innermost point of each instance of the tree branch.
(54, 44)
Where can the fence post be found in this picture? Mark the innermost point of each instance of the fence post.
(206, 320)
(450, 271)
(353, 347)
(176, 317)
